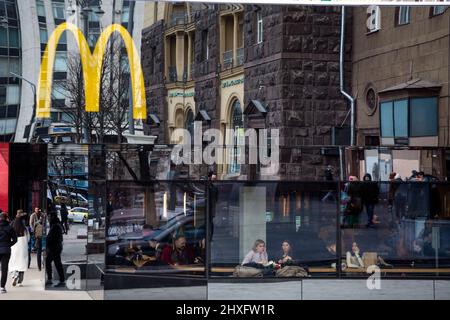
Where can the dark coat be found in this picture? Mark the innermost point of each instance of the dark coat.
(55, 238)
(370, 192)
(7, 238)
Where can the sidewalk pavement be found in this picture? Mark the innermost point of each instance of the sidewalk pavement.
(33, 289)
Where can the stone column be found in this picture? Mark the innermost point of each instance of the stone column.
(189, 59)
(222, 38)
(180, 55)
(235, 38)
(166, 56)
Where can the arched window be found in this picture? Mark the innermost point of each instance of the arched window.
(237, 124)
(189, 124)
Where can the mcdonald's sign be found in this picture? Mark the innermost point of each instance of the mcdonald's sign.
(91, 65)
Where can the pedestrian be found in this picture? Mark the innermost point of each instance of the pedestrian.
(18, 262)
(370, 193)
(37, 224)
(54, 250)
(7, 239)
(64, 218)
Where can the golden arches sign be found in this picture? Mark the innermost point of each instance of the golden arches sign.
(92, 66)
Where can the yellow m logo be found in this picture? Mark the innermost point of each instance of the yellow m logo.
(92, 66)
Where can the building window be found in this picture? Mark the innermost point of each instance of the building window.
(14, 39)
(94, 34)
(189, 124)
(373, 19)
(437, 10)
(12, 94)
(414, 117)
(2, 95)
(60, 62)
(404, 15)
(43, 35)
(40, 8)
(125, 14)
(424, 117)
(58, 10)
(237, 124)
(205, 45)
(259, 27)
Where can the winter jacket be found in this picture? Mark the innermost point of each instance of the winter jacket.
(55, 238)
(7, 238)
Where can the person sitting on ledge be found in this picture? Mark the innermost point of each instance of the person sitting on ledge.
(178, 254)
(354, 259)
(286, 257)
(257, 257)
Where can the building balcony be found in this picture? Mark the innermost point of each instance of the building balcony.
(227, 59)
(240, 56)
(177, 20)
(173, 77)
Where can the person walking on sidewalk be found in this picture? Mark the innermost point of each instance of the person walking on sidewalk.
(54, 250)
(37, 224)
(64, 218)
(18, 262)
(7, 239)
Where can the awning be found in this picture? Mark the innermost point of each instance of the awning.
(413, 85)
(255, 107)
(153, 118)
(202, 115)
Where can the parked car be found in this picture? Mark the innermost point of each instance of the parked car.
(194, 231)
(78, 214)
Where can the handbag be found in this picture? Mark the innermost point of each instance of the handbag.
(242, 271)
(292, 271)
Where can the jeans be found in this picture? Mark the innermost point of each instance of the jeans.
(56, 258)
(38, 243)
(370, 208)
(4, 259)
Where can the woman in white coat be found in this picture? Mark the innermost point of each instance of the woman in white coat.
(18, 262)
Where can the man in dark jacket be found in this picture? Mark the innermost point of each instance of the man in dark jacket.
(370, 194)
(54, 249)
(7, 239)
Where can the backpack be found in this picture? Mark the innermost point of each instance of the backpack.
(241, 271)
(292, 271)
(38, 229)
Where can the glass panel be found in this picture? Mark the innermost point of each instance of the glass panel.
(3, 37)
(43, 36)
(40, 8)
(59, 91)
(2, 95)
(386, 117)
(60, 62)
(14, 65)
(157, 229)
(405, 234)
(424, 114)
(268, 226)
(58, 10)
(67, 199)
(11, 11)
(13, 94)
(12, 111)
(404, 15)
(4, 67)
(14, 41)
(401, 118)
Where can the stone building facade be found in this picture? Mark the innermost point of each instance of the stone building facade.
(285, 59)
